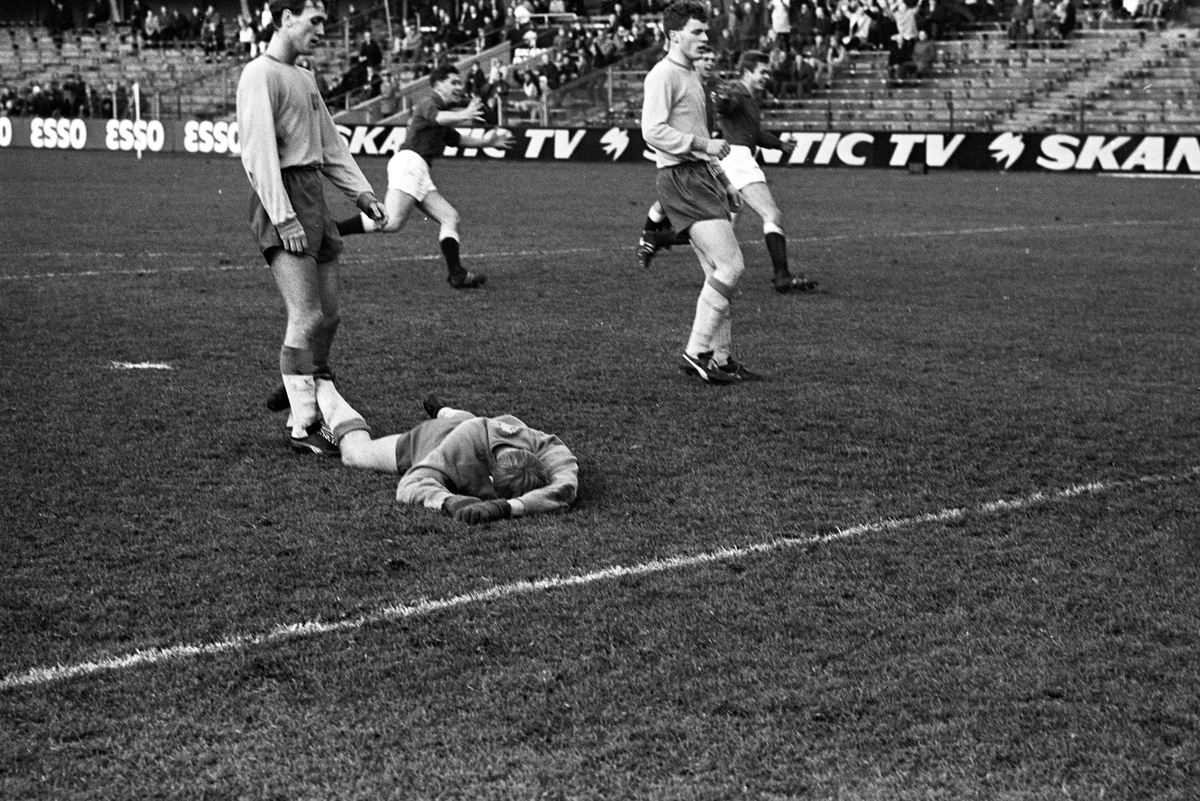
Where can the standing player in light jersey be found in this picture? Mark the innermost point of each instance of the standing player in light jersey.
(430, 131)
(740, 120)
(657, 232)
(693, 190)
(288, 140)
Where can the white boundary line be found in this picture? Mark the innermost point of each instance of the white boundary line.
(518, 254)
(424, 607)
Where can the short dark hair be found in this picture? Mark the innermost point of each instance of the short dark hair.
(751, 59)
(441, 73)
(295, 6)
(676, 15)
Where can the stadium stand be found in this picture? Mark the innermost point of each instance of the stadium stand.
(1115, 68)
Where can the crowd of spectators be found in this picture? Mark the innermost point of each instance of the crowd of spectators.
(70, 96)
(806, 40)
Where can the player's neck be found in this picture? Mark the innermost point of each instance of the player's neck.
(677, 57)
(282, 49)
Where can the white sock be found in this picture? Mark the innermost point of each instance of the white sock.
(302, 395)
(339, 415)
(656, 214)
(446, 411)
(369, 226)
(711, 309)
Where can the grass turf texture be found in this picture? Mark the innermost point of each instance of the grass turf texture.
(1048, 652)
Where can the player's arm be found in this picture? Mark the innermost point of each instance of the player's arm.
(260, 156)
(343, 171)
(497, 137)
(426, 486)
(470, 114)
(559, 493)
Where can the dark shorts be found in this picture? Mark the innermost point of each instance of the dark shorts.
(418, 441)
(307, 193)
(691, 193)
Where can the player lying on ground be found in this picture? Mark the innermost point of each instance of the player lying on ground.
(476, 469)
(430, 131)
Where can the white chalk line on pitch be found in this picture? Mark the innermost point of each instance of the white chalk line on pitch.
(517, 254)
(424, 607)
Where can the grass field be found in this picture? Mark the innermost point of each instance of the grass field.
(947, 550)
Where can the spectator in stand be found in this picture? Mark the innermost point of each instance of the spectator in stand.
(1043, 21)
(1065, 18)
(388, 95)
(904, 13)
(246, 37)
(370, 51)
(781, 23)
(212, 36)
(152, 29)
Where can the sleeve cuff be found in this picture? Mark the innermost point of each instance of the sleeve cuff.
(516, 508)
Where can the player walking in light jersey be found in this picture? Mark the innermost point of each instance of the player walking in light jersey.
(693, 190)
(288, 141)
(430, 131)
(740, 120)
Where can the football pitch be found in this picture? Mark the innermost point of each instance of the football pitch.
(949, 548)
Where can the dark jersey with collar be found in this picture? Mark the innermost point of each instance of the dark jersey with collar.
(739, 117)
(425, 136)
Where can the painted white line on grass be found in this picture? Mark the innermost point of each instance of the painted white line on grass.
(423, 607)
(141, 366)
(522, 254)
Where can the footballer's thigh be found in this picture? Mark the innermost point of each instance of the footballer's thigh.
(758, 197)
(715, 241)
(329, 286)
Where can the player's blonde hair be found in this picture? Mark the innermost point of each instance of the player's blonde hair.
(518, 472)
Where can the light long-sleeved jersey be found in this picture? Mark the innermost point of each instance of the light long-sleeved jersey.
(673, 113)
(283, 122)
(462, 463)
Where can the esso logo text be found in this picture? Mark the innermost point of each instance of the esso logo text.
(64, 134)
(211, 137)
(134, 135)
(5, 132)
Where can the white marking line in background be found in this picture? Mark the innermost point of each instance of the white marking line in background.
(141, 366)
(521, 254)
(424, 607)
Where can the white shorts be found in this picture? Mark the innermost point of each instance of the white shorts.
(741, 167)
(409, 173)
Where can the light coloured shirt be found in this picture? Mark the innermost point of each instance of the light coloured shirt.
(283, 122)
(673, 113)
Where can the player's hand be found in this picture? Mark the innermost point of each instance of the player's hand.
(371, 207)
(501, 137)
(291, 233)
(474, 110)
(455, 503)
(717, 148)
(483, 512)
(735, 198)
(788, 148)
